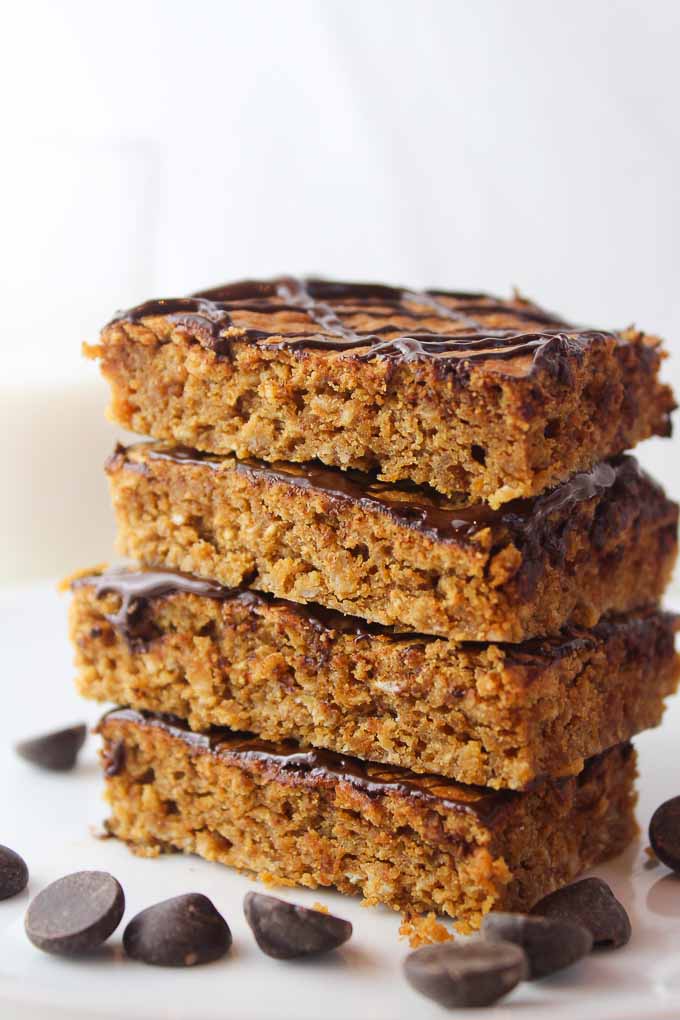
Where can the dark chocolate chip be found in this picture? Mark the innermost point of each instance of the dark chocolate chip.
(284, 930)
(114, 759)
(56, 751)
(178, 932)
(13, 873)
(76, 913)
(466, 974)
(664, 833)
(591, 903)
(550, 943)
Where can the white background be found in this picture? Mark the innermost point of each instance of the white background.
(152, 148)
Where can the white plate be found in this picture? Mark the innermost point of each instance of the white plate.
(46, 817)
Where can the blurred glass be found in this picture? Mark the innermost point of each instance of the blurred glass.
(79, 226)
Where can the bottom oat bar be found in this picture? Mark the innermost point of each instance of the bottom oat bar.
(316, 818)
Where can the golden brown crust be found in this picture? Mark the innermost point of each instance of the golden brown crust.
(494, 429)
(490, 715)
(408, 852)
(562, 563)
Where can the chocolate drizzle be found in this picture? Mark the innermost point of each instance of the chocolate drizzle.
(419, 508)
(319, 314)
(136, 589)
(315, 766)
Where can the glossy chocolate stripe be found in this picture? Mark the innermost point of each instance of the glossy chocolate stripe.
(136, 589)
(210, 316)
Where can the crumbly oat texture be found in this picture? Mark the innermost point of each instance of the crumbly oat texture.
(423, 930)
(465, 393)
(604, 541)
(493, 715)
(415, 843)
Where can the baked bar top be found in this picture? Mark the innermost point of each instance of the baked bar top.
(467, 393)
(371, 321)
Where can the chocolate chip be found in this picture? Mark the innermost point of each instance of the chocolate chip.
(178, 932)
(114, 759)
(55, 751)
(13, 873)
(550, 943)
(76, 913)
(664, 833)
(284, 930)
(591, 903)
(466, 974)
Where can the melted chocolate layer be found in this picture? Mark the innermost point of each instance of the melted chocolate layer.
(419, 508)
(319, 314)
(315, 766)
(138, 589)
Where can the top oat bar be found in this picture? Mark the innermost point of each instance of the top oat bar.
(474, 396)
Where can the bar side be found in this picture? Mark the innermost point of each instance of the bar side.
(479, 714)
(486, 433)
(613, 552)
(392, 848)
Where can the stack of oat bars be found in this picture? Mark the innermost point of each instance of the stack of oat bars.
(395, 615)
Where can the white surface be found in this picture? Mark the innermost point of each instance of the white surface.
(46, 817)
